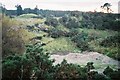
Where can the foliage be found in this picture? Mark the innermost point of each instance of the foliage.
(69, 22)
(81, 41)
(51, 22)
(72, 32)
(19, 9)
(55, 33)
(114, 75)
(34, 64)
(69, 71)
(111, 41)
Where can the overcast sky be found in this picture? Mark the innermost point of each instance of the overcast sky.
(81, 5)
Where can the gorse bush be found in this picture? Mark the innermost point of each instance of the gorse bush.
(69, 22)
(33, 64)
(36, 65)
(111, 41)
(51, 22)
(113, 75)
(56, 33)
(81, 41)
(69, 71)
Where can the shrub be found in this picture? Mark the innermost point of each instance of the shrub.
(34, 64)
(114, 75)
(111, 41)
(81, 41)
(51, 22)
(55, 33)
(73, 32)
(100, 77)
(69, 71)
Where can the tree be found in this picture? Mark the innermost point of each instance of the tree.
(107, 6)
(19, 9)
(36, 10)
(3, 9)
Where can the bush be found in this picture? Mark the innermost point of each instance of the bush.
(69, 71)
(33, 64)
(73, 32)
(111, 41)
(81, 41)
(51, 22)
(55, 33)
(100, 77)
(114, 75)
(36, 65)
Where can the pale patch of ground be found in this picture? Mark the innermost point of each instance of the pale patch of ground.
(100, 61)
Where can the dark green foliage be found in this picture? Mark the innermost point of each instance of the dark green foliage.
(69, 22)
(111, 41)
(51, 22)
(33, 64)
(72, 23)
(65, 71)
(72, 32)
(81, 41)
(36, 65)
(75, 13)
(30, 27)
(55, 33)
(108, 71)
(89, 66)
(100, 21)
(36, 10)
(64, 20)
(19, 10)
(100, 77)
(114, 75)
(16, 67)
(36, 25)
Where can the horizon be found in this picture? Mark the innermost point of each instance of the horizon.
(73, 5)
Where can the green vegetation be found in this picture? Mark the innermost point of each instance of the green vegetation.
(60, 45)
(28, 38)
(27, 16)
(34, 64)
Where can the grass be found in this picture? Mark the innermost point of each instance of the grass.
(61, 27)
(26, 36)
(60, 44)
(30, 21)
(27, 15)
(100, 33)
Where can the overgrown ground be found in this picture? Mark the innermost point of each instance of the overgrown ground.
(31, 30)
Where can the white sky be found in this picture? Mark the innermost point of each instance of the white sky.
(81, 5)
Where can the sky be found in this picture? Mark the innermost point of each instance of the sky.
(80, 5)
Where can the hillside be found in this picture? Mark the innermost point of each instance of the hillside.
(79, 37)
